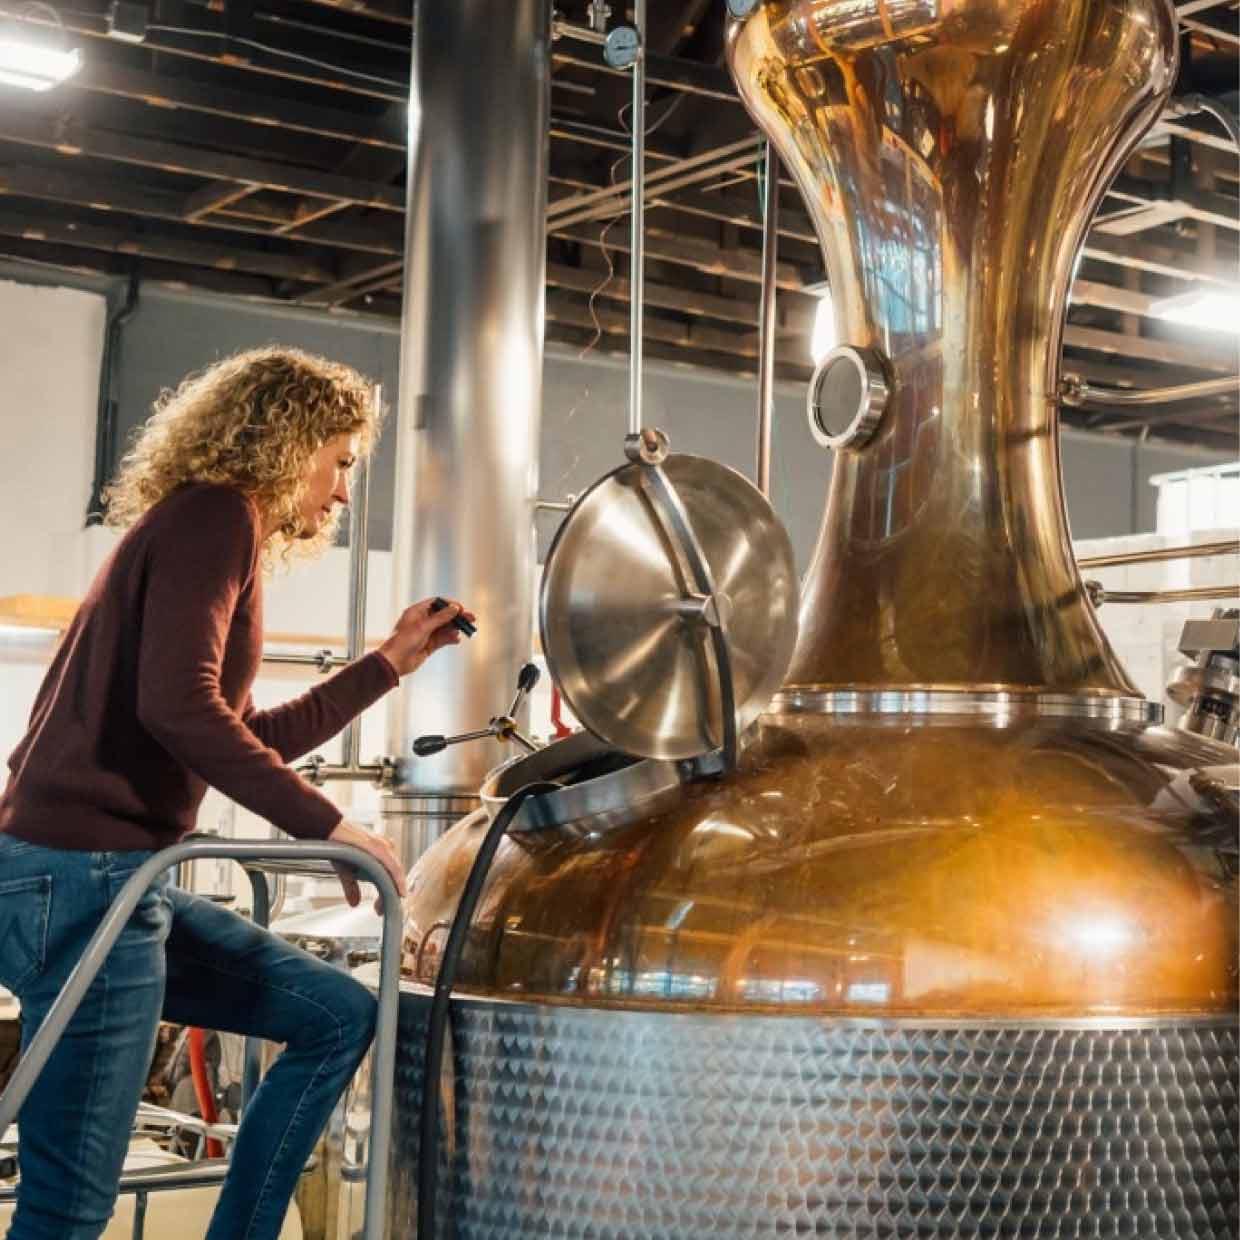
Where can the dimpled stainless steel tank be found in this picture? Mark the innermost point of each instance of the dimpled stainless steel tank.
(953, 953)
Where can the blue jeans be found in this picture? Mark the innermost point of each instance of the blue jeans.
(190, 961)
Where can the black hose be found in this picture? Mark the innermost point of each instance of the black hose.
(432, 1064)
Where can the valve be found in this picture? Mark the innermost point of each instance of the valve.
(502, 727)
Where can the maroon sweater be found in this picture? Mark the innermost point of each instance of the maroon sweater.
(148, 698)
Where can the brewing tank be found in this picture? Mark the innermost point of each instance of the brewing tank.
(952, 952)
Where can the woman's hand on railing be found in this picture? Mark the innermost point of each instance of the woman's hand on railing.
(350, 833)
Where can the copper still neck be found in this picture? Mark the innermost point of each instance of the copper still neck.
(951, 154)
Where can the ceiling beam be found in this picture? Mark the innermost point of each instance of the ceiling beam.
(1220, 360)
(100, 76)
(1127, 301)
(794, 320)
(1146, 255)
(69, 137)
(688, 76)
(120, 240)
(1196, 204)
(568, 307)
(663, 245)
(583, 337)
(202, 202)
(126, 197)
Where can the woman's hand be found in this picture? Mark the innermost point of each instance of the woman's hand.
(350, 833)
(420, 632)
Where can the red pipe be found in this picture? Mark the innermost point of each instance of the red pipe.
(202, 1087)
(557, 720)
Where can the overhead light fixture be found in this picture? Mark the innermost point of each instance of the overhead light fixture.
(824, 337)
(34, 57)
(1214, 309)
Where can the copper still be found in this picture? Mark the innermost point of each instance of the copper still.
(953, 952)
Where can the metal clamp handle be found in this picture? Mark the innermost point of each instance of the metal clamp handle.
(670, 513)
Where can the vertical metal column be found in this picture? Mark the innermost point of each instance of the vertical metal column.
(637, 248)
(766, 323)
(471, 370)
(359, 546)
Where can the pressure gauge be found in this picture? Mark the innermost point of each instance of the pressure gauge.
(622, 47)
(740, 9)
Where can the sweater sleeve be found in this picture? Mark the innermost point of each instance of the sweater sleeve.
(296, 727)
(194, 574)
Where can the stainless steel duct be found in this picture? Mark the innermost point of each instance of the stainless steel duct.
(470, 382)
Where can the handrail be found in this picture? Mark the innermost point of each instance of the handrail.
(118, 914)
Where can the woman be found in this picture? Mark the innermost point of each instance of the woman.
(146, 703)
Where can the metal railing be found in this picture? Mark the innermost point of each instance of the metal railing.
(258, 853)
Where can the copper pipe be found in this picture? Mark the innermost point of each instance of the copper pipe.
(1192, 552)
(1192, 594)
(1076, 391)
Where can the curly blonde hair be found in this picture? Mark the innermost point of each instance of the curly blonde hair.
(252, 421)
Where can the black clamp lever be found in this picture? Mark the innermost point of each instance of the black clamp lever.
(502, 727)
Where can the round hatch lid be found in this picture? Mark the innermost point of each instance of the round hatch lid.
(634, 663)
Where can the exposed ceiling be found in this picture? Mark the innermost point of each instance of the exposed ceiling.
(258, 147)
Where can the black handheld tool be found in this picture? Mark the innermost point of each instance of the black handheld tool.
(459, 622)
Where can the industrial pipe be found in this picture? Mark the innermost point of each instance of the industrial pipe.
(197, 1048)
(561, 29)
(1099, 594)
(1187, 105)
(470, 374)
(359, 545)
(321, 660)
(1195, 551)
(766, 318)
(1076, 391)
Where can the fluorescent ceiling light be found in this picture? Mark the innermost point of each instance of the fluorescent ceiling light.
(824, 337)
(1214, 309)
(35, 66)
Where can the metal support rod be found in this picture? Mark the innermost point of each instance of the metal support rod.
(252, 1056)
(118, 914)
(359, 546)
(322, 661)
(319, 774)
(637, 249)
(1195, 551)
(766, 319)
(139, 1215)
(1075, 391)
(570, 30)
(1098, 594)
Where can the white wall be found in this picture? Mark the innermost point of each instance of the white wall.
(51, 344)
